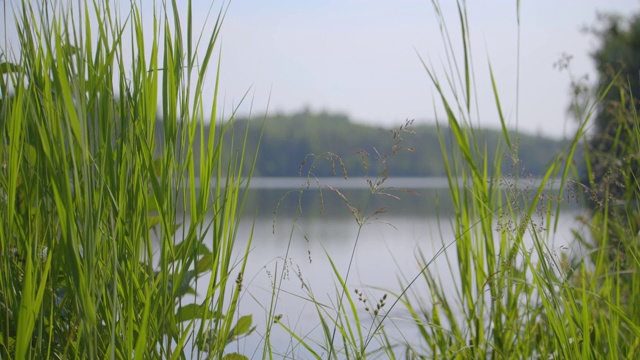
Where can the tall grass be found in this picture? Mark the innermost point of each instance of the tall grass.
(104, 230)
(514, 297)
(512, 294)
(343, 328)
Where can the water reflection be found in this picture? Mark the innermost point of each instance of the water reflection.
(328, 202)
(292, 252)
(399, 196)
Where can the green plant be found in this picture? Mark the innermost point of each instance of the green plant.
(511, 294)
(342, 330)
(514, 296)
(104, 230)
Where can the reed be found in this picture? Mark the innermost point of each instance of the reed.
(513, 294)
(107, 235)
(104, 231)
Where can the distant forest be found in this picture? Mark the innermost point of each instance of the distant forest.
(321, 143)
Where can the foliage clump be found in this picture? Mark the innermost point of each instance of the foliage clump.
(104, 232)
(612, 171)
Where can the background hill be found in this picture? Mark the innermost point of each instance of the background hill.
(290, 138)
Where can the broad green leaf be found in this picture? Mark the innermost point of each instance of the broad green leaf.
(184, 287)
(181, 249)
(243, 326)
(153, 221)
(7, 67)
(156, 164)
(205, 263)
(195, 311)
(31, 154)
(234, 356)
(71, 49)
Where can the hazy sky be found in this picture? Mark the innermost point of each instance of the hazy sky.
(361, 57)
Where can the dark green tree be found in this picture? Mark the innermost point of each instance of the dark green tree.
(614, 145)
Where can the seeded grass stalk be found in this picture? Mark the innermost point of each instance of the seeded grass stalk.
(343, 333)
(108, 220)
(513, 295)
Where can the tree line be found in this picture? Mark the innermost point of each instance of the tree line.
(330, 144)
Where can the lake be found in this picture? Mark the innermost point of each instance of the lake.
(383, 253)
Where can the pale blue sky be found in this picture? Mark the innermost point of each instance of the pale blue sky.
(359, 56)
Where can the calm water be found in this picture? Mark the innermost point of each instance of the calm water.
(386, 254)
